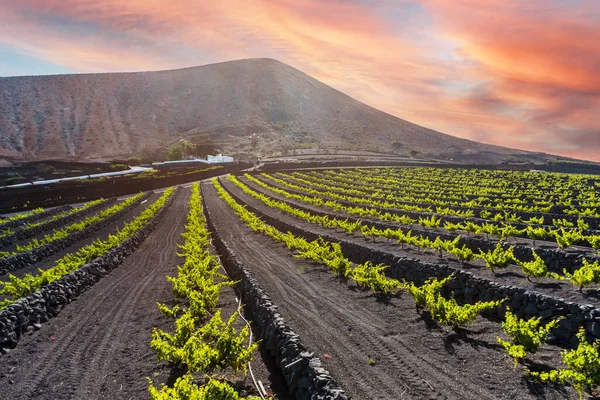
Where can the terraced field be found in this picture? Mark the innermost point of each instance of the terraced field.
(362, 283)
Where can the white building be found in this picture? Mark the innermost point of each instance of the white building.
(219, 158)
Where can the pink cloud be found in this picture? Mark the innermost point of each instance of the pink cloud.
(508, 72)
(540, 60)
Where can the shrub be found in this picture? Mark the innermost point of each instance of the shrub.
(536, 268)
(447, 311)
(175, 153)
(583, 366)
(587, 274)
(526, 335)
(498, 258)
(119, 167)
(185, 388)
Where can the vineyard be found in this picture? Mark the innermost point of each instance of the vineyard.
(349, 283)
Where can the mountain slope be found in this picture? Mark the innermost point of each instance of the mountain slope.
(95, 116)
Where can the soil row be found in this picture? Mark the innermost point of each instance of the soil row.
(102, 234)
(556, 259)
(27, 258)
(593, 222)
(36, 231)
(34, 217)
(378, 349)
(301, 371)
(545, 301)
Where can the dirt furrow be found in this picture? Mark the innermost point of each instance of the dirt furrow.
(114, 320)
(375, 349)
(334, 325)
(105, 334)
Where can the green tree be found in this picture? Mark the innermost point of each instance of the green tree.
(175, 153)
(187, 148)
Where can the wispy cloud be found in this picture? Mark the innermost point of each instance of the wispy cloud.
(517, 73)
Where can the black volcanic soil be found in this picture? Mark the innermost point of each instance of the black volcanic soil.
(379, 349)
(102, 234)
(98, 347)
(509, 276)
(13, 246)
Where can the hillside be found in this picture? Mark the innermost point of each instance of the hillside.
(117, 115)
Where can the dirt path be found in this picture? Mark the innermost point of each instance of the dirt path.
(375, 350)
(98, 347)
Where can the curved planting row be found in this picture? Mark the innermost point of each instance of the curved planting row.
(467, 287)
(426, 198)
(516, 221)
(551, 221)
(74, 227)
(438, 297)
(511, 187)
(36, 298)
(31, 216)
(346, 179)
(452, 195)
(63, 239)
(473, 208)
(203, 342)
(304, 375)
(564, 237)
(467, 247)
(36, 228)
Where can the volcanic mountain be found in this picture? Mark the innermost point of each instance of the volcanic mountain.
(254, 105)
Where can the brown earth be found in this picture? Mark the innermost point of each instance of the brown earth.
(117, 115)
(379, 349)
(102, 234)
(98, 347)
(511, 275)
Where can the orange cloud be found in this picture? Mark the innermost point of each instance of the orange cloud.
(541, 61)
(508, 72)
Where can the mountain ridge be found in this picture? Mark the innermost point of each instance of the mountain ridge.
(116, 115)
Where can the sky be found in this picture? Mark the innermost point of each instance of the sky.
(516, 73)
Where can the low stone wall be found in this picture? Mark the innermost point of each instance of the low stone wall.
(27, 258)
(555, 212)
(38, 230)
(593, 222)
(27, 314)
(464, 286)
(304, 375)
(36, 217)
(556, 259)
